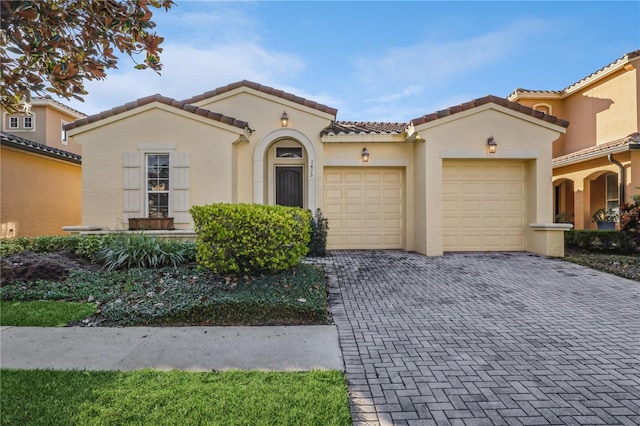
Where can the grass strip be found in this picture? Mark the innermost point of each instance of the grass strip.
(43, 313)
(46, 397)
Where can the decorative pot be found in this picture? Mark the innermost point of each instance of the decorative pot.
(606, 226)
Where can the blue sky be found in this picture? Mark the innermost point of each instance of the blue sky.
(377, 61)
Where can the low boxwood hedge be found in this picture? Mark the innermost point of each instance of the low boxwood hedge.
(601, 241)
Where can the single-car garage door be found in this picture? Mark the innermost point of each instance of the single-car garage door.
(483, 205)
(365, 207)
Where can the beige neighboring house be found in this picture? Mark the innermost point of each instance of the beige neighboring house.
(596, 163)
(40, 171)
(431, 185)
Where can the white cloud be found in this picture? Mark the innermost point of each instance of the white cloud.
(404, 82)
(189, 71)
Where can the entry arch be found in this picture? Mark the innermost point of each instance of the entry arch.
(259, 157)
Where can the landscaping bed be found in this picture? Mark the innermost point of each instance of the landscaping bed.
(185, 295)
(627, 266)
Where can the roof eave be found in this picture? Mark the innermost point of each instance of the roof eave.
(593, 155)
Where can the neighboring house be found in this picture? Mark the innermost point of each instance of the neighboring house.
(43, 123)
(40, 188)
(596, 163)
(41, 174)
(431, 185)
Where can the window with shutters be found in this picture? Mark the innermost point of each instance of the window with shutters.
(157, 184)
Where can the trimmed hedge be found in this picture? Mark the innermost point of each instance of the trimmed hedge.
(86, 246)
(250, 238)
(603, 241)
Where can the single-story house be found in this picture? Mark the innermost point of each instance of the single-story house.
(474, 177)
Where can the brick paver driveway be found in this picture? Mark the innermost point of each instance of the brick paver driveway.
(505, 338)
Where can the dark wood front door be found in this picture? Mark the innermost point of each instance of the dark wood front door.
(289, 181)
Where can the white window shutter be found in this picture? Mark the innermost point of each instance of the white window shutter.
(180, 199)
(132, 186)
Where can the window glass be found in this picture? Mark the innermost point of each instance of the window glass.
(28, 122)
(612, 191)
(13, 122)
(285, 152)
(158, 185)
(63, 133)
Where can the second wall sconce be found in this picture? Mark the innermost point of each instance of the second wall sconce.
(284, 120)
(365, 155)
(492, 145)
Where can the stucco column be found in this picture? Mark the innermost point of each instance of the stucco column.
(582, 203)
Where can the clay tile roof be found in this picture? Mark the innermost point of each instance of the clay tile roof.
(486, 100)
(60, 105)
(362, 127)
(162, 99)
(31, 146)
(264, 89)
(625, 57)
(632, 139)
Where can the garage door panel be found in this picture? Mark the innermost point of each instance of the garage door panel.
(352, 224)
(372, 193)
(392, 208)
(483, 205)
(353, 208)
(333, 209)
(371, 207)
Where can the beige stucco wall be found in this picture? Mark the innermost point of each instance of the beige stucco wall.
(263, 113)
(603, 112)
(153, 128)
(600, 112)
(464, 135)
(39, 195)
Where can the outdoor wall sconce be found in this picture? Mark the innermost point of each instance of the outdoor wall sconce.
(365, 155)
(492, 145)
(284, 120)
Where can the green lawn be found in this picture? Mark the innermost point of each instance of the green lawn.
(44, 313)
(45, 397)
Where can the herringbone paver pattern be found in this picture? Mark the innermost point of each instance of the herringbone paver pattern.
(484, 339)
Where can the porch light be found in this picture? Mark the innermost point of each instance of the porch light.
(365, 155)
(284, 120)
(492, 145)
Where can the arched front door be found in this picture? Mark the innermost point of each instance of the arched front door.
(289, 186)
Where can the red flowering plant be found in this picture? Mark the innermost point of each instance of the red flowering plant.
(630, 219)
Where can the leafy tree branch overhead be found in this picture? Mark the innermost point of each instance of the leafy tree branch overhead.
(55, 45)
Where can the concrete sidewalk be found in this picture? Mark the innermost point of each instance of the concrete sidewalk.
(281, 348)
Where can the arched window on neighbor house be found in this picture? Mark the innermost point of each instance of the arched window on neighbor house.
(546, 108)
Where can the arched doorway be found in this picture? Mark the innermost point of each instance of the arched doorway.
(287, 165)
(270, 169)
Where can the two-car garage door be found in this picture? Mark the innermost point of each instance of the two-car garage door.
(365, 207)
(483, 205)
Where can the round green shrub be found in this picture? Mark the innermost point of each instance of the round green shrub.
(250, 238)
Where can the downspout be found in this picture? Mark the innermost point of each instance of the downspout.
(622, 179)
